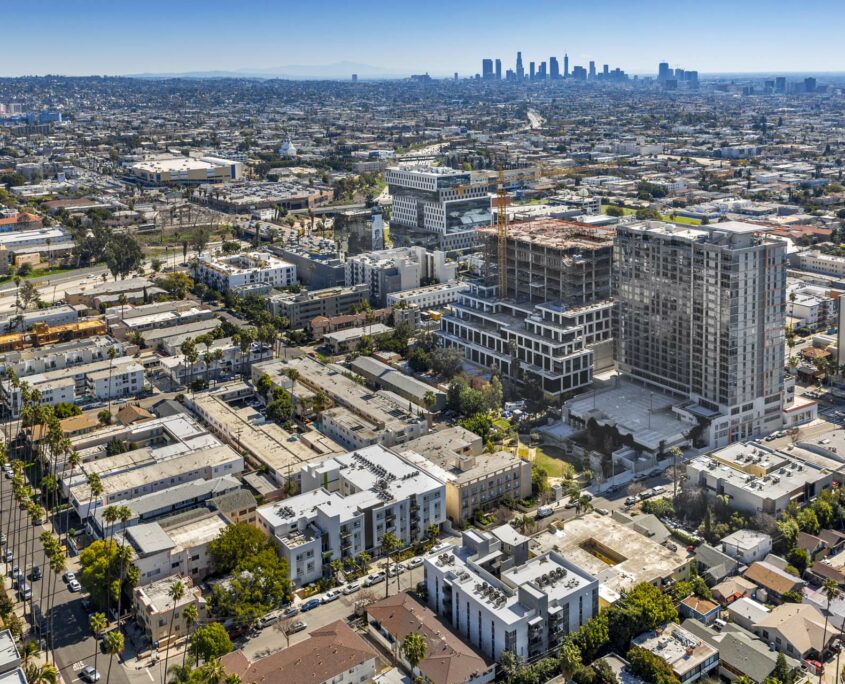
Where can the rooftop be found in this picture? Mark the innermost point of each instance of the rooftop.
(557, 234)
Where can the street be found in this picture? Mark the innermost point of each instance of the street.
(73, 643)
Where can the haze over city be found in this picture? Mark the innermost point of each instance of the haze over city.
(398, 38)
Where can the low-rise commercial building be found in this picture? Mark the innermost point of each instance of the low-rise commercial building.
(758, 479)
(381, 376)
(428, 297)
(171, 169)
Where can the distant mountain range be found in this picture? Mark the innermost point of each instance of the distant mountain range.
(336, 71)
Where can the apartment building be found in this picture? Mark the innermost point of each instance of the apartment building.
(816, 261)
(701, 314)
(230, 360)
(156, 612)
(475, 481)
(245, 269)
(690, 657)
(395, 270)
(348, 503)
(527, 609)
(542, 343)
(63, 355)
(758, 479)
(360, 417)
(177, 545)
(300, 308)
(439, 201)
(98, 380)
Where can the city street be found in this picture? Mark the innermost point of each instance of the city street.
(73, 643)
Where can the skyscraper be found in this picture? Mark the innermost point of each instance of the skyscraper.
(565, 65)
(531, 72)
(663, 71)
(520, 70)
(487, 69)
(498, 69)
(605, 70)
(592, 74)
(554, 69)
(700, 313)
(541, 72)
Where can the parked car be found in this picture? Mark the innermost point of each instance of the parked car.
(8, 557)
(18, 579)
(74, 586)
(396, 569)
(631, 500)
(89, 674)
(415, 562)
(24, 591)
(351, 588)
(290, 611)
(602, 511)
(35, 573)
(375, 578)
(267, 620)
(544, 512)
(330, 596)
(297, 626)
(69, 576)
(310, 604)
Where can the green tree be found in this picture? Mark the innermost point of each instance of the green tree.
(211, 641)
(389, 543)
(570, 658)
(100, 561)
(176, 284)
(414, 648)
(782, 673)
(235, 543)
(114, 645)
(650, 667)
(41, 674)
(123, 255)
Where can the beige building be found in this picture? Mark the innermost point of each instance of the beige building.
(475, 481)
(165, 170)
(154, 608)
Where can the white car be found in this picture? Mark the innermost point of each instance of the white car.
(330, 596)
(69, 576)
(415, 562)
(351, 588)
(375, 578)
(74, 585)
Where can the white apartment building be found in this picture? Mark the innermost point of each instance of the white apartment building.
(156, 612)
(429, 297)
(441, 201)
(758, 479)
(250, 268)
(101, 380)
(64, 355)
(528, 609)
(182, 372)
(747, 546)
(175, 546)
(700, 313)
(398, 269)
(348, 503)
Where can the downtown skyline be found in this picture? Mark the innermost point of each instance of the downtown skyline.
(392, 41)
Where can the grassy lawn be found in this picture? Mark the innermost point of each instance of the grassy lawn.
(663, 217)
(552, 459)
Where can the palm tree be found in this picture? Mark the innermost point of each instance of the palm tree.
(56, 560)
(831, 590)
(429, 400)
(124, 515)
(191, 615)
(389, 543)
(176, 592)
(122, 300)
(41, 674)
(114, 645)
(110, 517)
(112, 353)
(414, 648)
(98, 624)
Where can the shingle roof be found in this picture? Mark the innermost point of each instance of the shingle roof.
(768, 578)
(330, 651)
(448, 659)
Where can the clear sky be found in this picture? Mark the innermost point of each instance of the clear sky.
(77, 37)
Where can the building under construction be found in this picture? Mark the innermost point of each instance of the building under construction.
(552, 260)
(553, 326)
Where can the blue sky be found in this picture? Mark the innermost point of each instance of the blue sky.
(125, 36)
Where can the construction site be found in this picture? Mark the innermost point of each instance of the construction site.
(550, 260)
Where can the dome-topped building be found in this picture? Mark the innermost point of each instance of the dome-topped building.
(287, 149)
